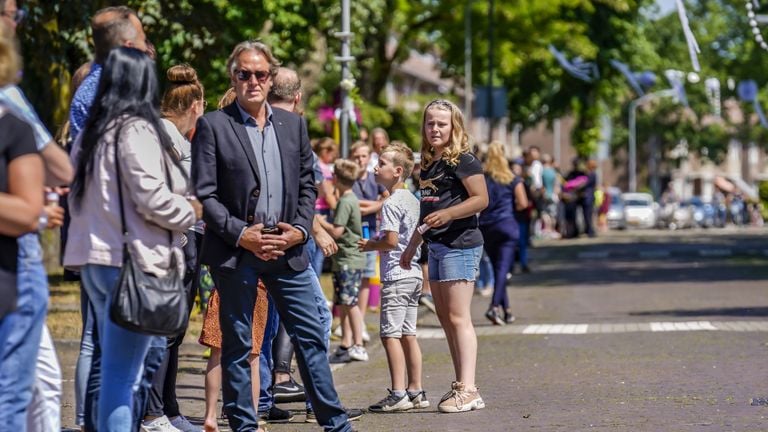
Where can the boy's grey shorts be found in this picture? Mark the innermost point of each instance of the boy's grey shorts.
(399, 306)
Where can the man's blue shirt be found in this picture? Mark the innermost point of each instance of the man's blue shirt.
(82, 101)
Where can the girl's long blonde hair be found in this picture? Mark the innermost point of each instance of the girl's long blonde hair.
(496, 165)
(459, 141)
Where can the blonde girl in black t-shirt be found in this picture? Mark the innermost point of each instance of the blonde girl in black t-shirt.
(453, 192)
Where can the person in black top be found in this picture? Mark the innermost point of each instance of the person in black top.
(500, 228)
(21, 202)
(453, 191)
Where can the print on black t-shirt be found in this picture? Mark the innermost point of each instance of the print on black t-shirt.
(441, 187)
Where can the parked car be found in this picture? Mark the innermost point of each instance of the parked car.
(682, 217)
(705, 215)
(640, 210)
(675, 215)
(615, 215)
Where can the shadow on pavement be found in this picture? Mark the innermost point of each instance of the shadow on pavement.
(599, 273)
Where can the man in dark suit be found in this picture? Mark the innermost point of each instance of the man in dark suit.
(252, 168)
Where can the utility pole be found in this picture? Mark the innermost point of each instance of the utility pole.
(557, 132)
(633, 131)
(347, 82)
(489, 101)
(468, 61)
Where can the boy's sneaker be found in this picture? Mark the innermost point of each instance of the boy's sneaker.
(419, 399)
(427, 301)
(460, 400)
(160, 424)
(341, 355)
(357, 352)
(181, 423)
(288, 391)
(353, 414)
(392, 403)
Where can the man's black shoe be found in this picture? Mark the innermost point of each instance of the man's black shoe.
(277, 415)
(352, 415)
(289, 391)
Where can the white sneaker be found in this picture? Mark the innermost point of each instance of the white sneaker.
(181, 423)
(160, 424)
(358, 353)
(337, 331)
(419, 400)
(366, 336)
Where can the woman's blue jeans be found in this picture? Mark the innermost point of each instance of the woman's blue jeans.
(122, 353)
(500, 239)
(23, 328)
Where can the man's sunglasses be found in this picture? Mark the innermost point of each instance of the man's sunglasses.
(245, 75)
(17, 16)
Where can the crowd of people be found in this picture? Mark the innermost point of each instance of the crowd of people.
(242, 199)
(153, 184)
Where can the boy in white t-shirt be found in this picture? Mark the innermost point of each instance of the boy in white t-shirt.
(401, 288)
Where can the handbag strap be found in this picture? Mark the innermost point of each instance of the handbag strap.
(120, 200)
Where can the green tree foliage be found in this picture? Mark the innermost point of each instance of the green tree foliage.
(55, 39)
(539, 89)
(202, 33)
(729, 53)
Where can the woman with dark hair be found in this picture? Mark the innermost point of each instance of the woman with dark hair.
(500, 228)
(124, 137)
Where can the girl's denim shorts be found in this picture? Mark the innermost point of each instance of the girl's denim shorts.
(448, 264)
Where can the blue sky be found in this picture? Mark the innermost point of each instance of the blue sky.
(666, 6)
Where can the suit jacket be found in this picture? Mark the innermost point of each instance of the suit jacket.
(225, 175)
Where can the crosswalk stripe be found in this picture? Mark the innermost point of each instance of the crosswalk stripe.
(601, 328)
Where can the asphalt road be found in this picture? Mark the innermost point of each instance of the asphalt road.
(636, 331)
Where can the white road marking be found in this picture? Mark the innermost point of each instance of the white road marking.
(598, 328)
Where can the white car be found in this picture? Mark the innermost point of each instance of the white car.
(639, 210)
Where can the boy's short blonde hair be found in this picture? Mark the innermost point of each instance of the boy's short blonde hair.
(359, 144)
(346, 172)
(402, 157)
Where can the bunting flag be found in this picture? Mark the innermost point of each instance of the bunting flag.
(629, 75)
(693, 46)
(577, 68)
(747, 91)
(713, 94)
(676, 79)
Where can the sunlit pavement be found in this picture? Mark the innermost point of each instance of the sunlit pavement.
(655, 335)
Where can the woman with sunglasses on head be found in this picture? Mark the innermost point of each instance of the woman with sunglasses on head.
(452, 191)
(182, 104)
(124, 137)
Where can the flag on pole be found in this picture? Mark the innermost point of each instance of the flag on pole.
(629, 75)
(747, 91)
(577, 68)
(693, 46)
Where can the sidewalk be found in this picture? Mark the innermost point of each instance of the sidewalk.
(621, 381)
(620, 344)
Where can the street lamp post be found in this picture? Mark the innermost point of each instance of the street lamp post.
(633, 131)
(468, 61)
(346, 77)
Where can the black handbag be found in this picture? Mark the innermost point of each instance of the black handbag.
(142, 302)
